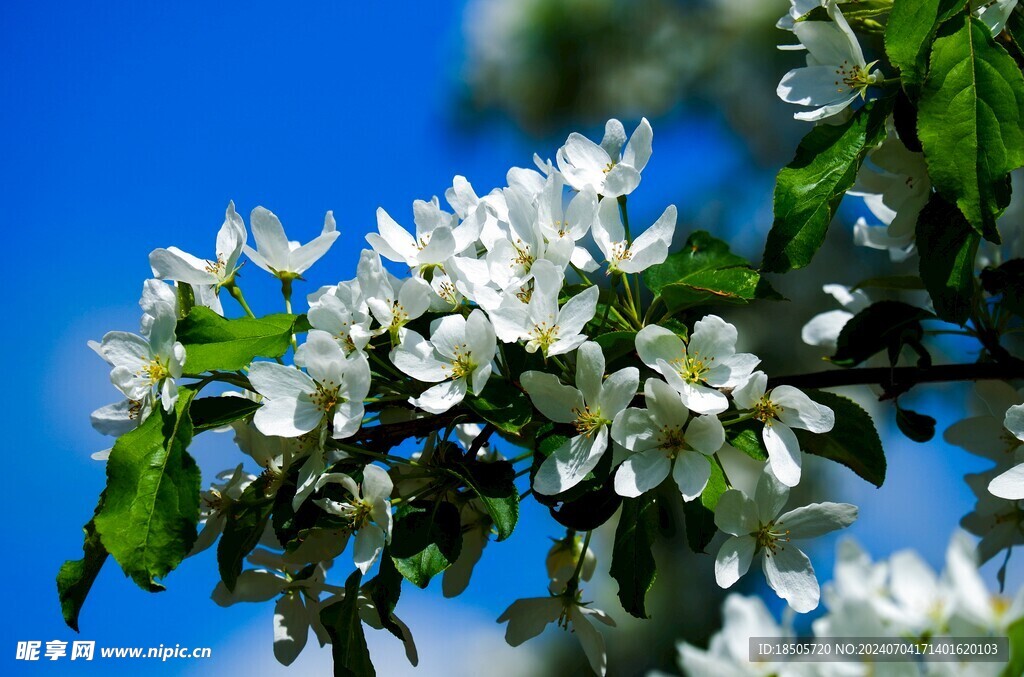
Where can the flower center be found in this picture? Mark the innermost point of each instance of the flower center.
(327, 396)
(398, 316)
(766, 411)
(608, 167)
(855, 77)
(524, 257)
(692, 367)
(771, 537)
(216, 267)
(588, 420)
(423, 241)
(155, 371)
(462, 363)
(544, 334)
(671, 439)
(562, 227)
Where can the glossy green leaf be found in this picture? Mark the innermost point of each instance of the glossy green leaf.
(971, 121)
(947, 246)
(853, 442)
(151, 505)
(700, 514)
(216, 343)
(633, 566)
(76, 577)
(427, 539)
(245, 520)
(214, 412)
(809, 189)
(348, 642)
(908, 35)
(506, 408)
(494, 484)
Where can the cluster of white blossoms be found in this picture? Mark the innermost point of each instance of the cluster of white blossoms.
(509, 268)
(901, 598)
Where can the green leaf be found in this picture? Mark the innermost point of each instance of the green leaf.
(853, 441)
(385, 589)
(909, 33)
(1007, 281)
(970, 120)
(427, 540)
(701, 252)
(808, 190)
(213, 342)
(947, 246)
(633, 565)
(245, 520)
(616, 344)
(746, 436)
(1015, 666)
(506, 408)
(700, 515)
(151, 506)
(705, 272)
(494, 483)
(208, 413)
(348, 642)
(885, 325)
(918, 427)
(76, 577)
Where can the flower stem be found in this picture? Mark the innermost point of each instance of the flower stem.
(236, 293)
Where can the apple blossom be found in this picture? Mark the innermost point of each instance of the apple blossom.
(174, 264)
(585, 164)
(589, 406)
(367, 513)
(780, 410)
(661, 446)
(457, 357)
(648, 249)
(755, 525)
(699, 367)
(276, 254)
(836, 72)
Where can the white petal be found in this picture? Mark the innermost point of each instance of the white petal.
(368, 546)
(275, 381)
(554, 400)
(691, 473)
(783, 452)
(642, 472)
(577, 311)
(590, 639)
(638, 150)
(800, 411)
(1009, 485)
(271, 242)
(736, 514)
(174, 264)
(569, 464)
(705, 434)
(442, 397)
(618, 391)
(655, 343)
(733, 560)
(590, 372)
(791, 576)
(816, 519)
(823, 329)
(527, 618)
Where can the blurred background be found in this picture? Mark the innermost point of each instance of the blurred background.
(129, 126)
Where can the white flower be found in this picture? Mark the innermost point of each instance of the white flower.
(987, 433)
(836, 73)
(174, 264)
(649, 249)
(756, 526)
(589, 406)
(895, 186)
(972, 601)
(296, 403)
(1010, 484)
(342, 312)
(457, 356)
(728, 651)
(437, 237)
(142, 366)
(368, 513)
(511, 258)
(698, 368)
(562, 560)
(528, 617)
(798, 8)
(661, 446)
(158, 300)
(392, 302)
(601, 168)
(571, 223)
(216, 501)
(279, 256)
(540, 322)
(781, 410)
(298, 605)
(824, 328)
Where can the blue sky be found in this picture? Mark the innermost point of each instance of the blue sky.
(129, 126)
